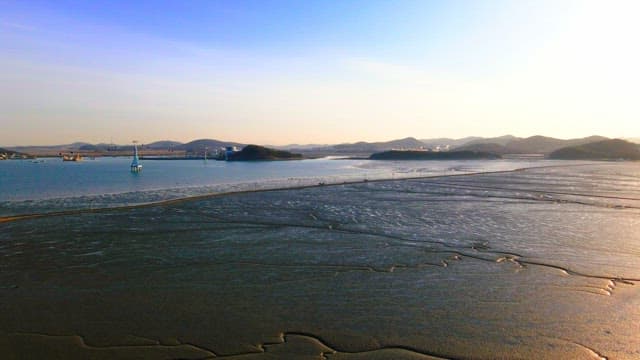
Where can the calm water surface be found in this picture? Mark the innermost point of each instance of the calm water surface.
(27, 187)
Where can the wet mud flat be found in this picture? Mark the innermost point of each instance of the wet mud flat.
(533, 264)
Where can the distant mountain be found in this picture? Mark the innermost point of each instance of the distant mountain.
(163, 145)
(484, 147)
(601, 150)
(531, 145)
(257, 153)
(38, 148)
(406, 143)
(197, 146)
(588, 139)
(158, 145)
(89, 147)
(363, 146)
(77, 145)
(448, 141)
(500, 140)
(507, 144)
(368, 148)
(298, 146)
(545, 145)
(7, 151)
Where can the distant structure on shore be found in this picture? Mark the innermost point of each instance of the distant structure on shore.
(433, 155)
(72, 157)
(136, 167)
(6, 154)
(229, 151)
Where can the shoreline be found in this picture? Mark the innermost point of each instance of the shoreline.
(19, 217)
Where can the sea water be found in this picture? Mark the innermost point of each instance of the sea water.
(51, 184)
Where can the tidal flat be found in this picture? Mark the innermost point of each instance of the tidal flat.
(541, 263)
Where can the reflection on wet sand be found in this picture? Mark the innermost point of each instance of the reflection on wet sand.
(540, 264)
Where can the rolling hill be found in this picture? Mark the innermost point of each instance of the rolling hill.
(449, 141)
(500, 140)
(163, 145)
(363, 147)
(614, 149)
(531, 145)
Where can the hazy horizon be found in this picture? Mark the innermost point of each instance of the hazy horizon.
(283, 72)
(633, 139)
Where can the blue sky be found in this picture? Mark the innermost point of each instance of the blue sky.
(276, 72)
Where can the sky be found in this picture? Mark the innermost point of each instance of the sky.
(282, 72)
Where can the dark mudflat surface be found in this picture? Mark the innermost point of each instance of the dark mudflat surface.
(542, 263)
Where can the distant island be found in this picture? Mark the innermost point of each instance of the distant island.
(614, 149)
(433, 155)
(261, 153)
(507, 146)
